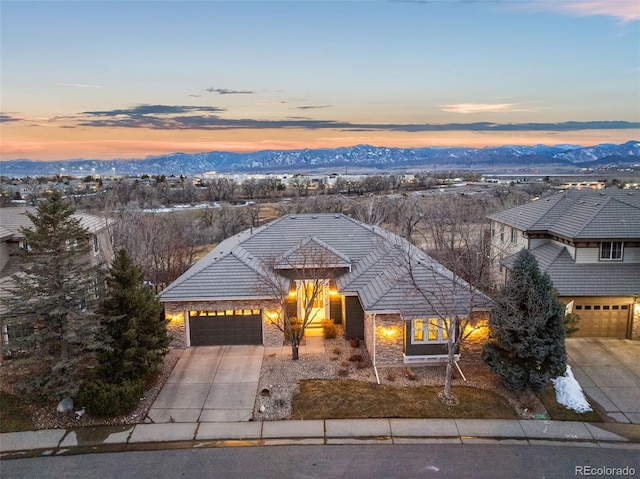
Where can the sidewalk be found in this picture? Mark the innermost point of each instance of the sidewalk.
(328, 431)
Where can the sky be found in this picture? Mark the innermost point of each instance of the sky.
(127, 79)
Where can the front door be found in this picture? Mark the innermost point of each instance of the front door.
(315, 295)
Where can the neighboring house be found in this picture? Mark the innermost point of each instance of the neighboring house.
(12, 244)
(220, 299)
(588, 241)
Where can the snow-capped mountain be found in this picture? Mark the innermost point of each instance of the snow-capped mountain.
(361, 156)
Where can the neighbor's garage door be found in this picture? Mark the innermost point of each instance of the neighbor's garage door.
(602, 320)
(221, 329)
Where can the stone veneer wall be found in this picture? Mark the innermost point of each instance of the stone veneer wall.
(389, 333)
(389, 339)
(273, 337)
(176, 312)
(635, 325)
(368, 336)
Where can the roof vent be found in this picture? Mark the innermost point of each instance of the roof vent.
(315, 217)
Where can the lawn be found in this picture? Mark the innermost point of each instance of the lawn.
(14, 414)
(344, 399)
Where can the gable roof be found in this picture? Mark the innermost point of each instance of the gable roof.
(374, 257)
(311, 250)
(579, 214)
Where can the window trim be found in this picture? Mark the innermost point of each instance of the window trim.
(611, 251)
(429, 325)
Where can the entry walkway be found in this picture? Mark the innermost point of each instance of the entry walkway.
(310, 345)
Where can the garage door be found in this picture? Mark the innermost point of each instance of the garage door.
(602, 320)
(216, 328)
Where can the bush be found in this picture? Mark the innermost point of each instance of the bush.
(329, 329)
(105, 399)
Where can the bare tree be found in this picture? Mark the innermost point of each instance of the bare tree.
(250, 187)
(162, 244)
(374, 210)
(451, 301)
(300, 277)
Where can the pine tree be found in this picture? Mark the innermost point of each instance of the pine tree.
(134, 327)
(53, 301)
(527, 347)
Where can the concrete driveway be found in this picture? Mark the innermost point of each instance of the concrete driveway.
(609, 372)
(210, 384)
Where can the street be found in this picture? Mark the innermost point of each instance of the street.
(349, 461)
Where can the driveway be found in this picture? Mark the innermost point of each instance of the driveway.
(210, 384)
(609, 372)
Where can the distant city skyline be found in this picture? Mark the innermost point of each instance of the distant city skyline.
(109, 79)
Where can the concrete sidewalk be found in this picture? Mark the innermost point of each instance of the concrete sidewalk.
(328, 431)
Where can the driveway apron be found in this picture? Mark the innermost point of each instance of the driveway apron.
(609, 372)
(210, 384)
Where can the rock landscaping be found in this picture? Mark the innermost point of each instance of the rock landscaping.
(280, 376)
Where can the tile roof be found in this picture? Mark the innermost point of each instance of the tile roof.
(580, 214)
(376, 257)
(14, 219)
(585, 279)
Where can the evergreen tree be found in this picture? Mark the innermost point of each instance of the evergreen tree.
(53, 301)
(527, 334)
(133, 325)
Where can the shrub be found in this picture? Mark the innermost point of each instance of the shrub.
(356, 358)
(329, 329)
(105, 399)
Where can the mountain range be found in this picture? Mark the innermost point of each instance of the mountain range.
(356, 157)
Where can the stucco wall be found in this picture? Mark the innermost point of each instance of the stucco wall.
(635, 327)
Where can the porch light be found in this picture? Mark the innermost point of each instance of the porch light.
(333, 292)
(389, 332)
(272, 315)
(174, 317)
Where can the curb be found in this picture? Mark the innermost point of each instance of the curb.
(317, 432)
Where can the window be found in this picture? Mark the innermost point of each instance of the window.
(611, 250)
(513, 235)
(96, 244)
(430, 330)
(501, 232)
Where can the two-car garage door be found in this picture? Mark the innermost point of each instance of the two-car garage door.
(215, 328)
(602, 320)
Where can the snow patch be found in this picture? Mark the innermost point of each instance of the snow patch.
(569, 393)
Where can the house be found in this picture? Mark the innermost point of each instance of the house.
(588, 242)
(220, 300)
(12, 243)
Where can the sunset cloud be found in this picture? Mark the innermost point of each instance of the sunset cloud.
(78, 85)
(466, 108)
(8, 118)
(227, 91)
(625, 10)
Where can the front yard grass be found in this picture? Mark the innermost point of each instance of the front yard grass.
(344, 399)
(14, 414)
(559, 412)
